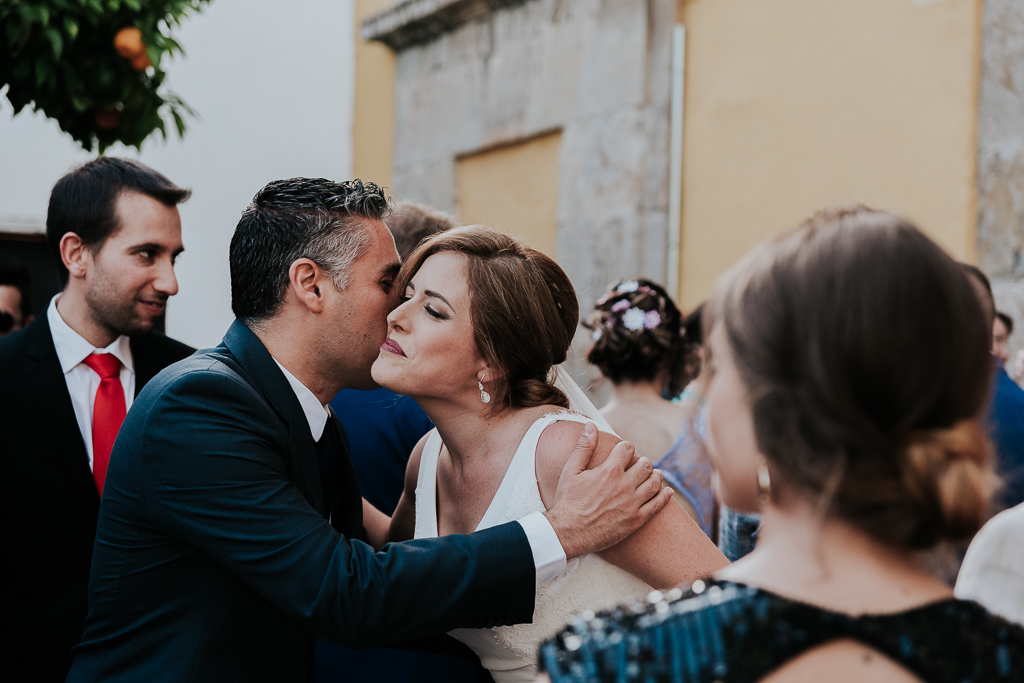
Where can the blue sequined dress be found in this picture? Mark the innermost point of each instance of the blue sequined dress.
(735, 633)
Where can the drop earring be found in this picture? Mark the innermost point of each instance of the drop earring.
(764, 484)
(484, 396)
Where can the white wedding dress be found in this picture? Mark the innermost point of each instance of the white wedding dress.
(588, 582)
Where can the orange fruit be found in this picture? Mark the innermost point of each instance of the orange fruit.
(106, 118)
(128, 42)
(141, 62)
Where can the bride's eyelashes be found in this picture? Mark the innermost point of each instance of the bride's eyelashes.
(431, 311)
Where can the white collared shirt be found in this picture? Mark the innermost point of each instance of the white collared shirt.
(72, 350)
(548, 555)
(993, 570)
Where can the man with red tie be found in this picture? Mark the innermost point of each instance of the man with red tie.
(66, 384)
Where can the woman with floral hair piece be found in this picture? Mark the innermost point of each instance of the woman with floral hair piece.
(642, 346)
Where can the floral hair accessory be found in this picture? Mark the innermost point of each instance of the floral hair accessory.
(620, 306)
(651, 320)
(629, 286)
(634, 319)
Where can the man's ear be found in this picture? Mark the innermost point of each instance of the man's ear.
(306, 281)
(75, 255)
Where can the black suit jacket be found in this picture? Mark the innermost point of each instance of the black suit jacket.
(214, 560)
(49, 500)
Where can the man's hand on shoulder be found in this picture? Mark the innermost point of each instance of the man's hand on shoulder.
(596, 508)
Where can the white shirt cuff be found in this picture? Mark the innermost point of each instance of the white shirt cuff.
(548, 555)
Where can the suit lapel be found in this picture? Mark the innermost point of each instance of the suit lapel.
(51, 392)
(146, 366)
(347, 512)
(257, 362)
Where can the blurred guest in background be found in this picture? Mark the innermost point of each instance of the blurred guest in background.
(68, 380)
(851, 419)
(992, 573)
(642, 346)
(382, 429)
(1002, 328)
(15, 295)
(1006, 411)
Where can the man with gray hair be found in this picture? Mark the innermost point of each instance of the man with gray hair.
(231, 529)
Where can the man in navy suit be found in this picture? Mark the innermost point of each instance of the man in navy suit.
(231, 532)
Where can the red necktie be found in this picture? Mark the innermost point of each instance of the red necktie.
(108, 411)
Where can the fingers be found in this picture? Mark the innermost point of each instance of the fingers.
(621, 457)
(655, 505)
(650, 487)
(640, 471)
(584, 451)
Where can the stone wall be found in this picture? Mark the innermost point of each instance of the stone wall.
(1001, 157)
(597, 70)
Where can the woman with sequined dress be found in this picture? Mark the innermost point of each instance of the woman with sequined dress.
(482, 323)
(848, 368)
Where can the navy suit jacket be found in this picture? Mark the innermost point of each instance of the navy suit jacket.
(213, 557)
(48, 500)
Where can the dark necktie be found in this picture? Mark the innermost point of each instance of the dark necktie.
(327, 461)
(108, 411)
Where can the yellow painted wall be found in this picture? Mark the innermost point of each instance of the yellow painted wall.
(374, 116)
(795, 104)
(514, 188)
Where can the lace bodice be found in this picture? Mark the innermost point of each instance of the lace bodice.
(588, 582)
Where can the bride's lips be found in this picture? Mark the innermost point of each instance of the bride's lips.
(392, 346)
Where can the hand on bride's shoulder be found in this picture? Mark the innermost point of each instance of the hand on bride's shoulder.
(554, 447)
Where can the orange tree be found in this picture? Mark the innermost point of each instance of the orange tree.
(94, 66)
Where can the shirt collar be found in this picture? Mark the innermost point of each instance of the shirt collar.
(72, 348)
(316, 412)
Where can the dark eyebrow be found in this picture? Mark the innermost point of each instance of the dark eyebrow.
(391, 270)
(147, 245)
(431, 293)
(437, 296)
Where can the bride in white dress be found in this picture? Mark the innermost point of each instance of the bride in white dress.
(483, 321)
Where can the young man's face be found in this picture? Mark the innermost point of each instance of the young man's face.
(1000, 341)
(131, 276)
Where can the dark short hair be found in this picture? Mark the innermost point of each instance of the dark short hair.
(863, 351)
(1008, 322)
(411, 223)
(631, 354)
(13, 273)
(312, 218)
(523, 308)
(85, 199)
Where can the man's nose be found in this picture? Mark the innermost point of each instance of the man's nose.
(166, 281)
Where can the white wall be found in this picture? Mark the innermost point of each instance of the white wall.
(272, 84)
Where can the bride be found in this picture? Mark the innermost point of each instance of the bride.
(482, 321)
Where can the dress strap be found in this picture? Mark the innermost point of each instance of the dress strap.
(426, 487)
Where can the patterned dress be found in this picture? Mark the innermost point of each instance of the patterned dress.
(730, 632)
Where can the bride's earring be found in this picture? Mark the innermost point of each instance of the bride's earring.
(764, 484)
(484, 396)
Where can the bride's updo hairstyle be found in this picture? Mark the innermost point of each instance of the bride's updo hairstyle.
(864, 351)
(523, 308)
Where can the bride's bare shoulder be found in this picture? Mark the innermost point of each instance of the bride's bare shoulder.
(554, 447)
(412, 469)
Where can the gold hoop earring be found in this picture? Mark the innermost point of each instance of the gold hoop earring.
(484, 396)
(764, 484)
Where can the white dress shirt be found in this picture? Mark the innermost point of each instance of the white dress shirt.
(993, 570)
(82, 381)
(548, 555)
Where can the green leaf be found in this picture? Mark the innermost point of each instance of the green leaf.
(179, 123)
(42, 71)
(71, 27)
(133, 5)
(56, 41)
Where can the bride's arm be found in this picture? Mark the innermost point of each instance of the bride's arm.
(376, 524)
(667, 551)
(403, 522)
